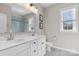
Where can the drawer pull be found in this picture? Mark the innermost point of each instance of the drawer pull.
(42, 42)
(34, 50)
(34, 42)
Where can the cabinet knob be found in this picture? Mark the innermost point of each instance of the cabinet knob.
(42, 42)
(34, 42)
(34, 50)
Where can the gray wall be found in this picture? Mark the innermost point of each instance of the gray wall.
(52, 29)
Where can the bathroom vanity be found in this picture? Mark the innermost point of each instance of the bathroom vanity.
(15, 19)
(29, 46)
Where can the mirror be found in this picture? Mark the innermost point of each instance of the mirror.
(22, 20)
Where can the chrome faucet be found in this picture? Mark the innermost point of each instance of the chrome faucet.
(10, 37)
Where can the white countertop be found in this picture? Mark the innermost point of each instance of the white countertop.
(17, 41)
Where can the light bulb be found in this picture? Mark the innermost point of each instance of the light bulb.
(31, 8)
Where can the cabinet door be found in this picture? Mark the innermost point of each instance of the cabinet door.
(34, 45)
(41, 46)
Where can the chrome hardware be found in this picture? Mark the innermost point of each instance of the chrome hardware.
(42, 42)
(34, 42)
(10, 37)
(34, 50)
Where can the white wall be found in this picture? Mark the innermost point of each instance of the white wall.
(40, 11)
(52, 28)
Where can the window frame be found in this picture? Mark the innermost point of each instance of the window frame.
(76, 19)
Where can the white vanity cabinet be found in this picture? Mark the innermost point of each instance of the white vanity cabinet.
(25, 51)
(35, 47)
(16, 50)
(38, 47)
(41, 46)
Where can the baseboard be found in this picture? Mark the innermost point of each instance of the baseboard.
(69, 50)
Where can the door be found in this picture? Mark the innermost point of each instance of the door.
(41, 46)
(34, 50)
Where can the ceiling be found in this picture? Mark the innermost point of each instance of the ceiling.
(45, 5)
(18, 9)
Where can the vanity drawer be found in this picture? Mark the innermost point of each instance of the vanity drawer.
(41, 46)
(13, 50)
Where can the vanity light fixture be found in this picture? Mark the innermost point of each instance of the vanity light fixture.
(30, 6)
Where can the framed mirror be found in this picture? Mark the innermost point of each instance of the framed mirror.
(22, 19)
(14, 17)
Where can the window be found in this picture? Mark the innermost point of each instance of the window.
(69, 20)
